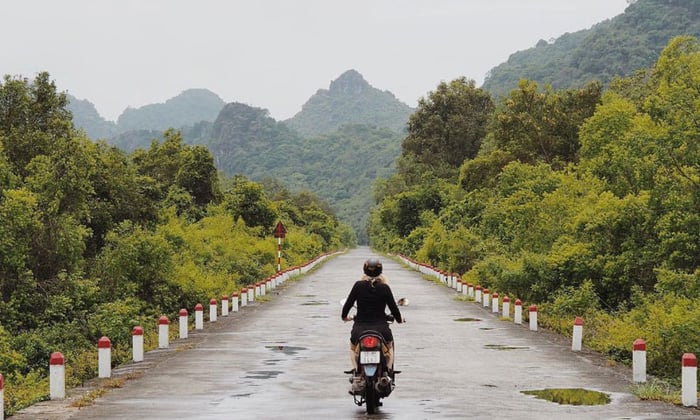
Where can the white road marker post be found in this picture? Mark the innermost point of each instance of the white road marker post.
(57, 376)
(137, 344)
(639, 361)
(689, 380)
(533, 317)
(577, 337)
(104, 358)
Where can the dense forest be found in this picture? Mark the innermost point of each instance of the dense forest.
(95, 240)
(337, 145)
(585, 201)
(613, 48)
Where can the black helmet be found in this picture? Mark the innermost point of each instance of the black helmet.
(372, 267)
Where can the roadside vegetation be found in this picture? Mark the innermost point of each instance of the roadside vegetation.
(94, 241)
(584, 201)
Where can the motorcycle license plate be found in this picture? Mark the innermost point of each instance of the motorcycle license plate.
(369, 357)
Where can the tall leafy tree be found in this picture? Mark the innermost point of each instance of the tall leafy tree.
(541, 125)
(448, 127)
(33, 117)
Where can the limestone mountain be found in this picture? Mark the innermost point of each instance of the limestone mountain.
(187, 108)
(136, 127)
(349, 100)
(340, 167)
(615, 47)
(85, 116)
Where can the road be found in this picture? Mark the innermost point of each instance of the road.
(284, 359)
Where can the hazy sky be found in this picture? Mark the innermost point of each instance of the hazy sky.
(272, 54)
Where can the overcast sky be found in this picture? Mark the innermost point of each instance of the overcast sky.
(272, 54)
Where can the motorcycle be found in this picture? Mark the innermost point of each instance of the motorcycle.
(373, 380)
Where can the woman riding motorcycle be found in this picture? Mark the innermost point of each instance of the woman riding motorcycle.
(373, 295)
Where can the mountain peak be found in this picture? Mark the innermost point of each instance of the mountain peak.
(350, 82)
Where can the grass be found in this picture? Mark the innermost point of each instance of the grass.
(111, 383)
(656, 390)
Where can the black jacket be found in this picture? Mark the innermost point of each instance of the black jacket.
(372, 298)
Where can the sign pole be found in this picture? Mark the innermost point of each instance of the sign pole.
(279, 254)
(280, 231)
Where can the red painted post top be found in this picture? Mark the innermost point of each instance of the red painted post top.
(57, 359)
(235, 295)
(244, 290)
(495, 295)
(212, 301)
(486, 291)
(506, 299)
(183, 312)
(224, 297)
(533, 308)
(137, 330)
(1, 382)
(518, 302)
(470, 285)
(578, 321)
(689, 360)
(199, 307)
(459, 281)
(163, 320)
(104, 343)
(478, 287)
(639, 345)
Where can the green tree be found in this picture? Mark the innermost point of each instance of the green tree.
(542, 125)
(247, 200)
(448, 126)
(33, 117)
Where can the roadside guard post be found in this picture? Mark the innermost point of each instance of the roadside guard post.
(689, 380)
(280, 233)
(182, 322)
(533, 318)
(639, 361)
(577, 337)
(137, 343)
(57, 376)
(104, 359)
(212, 310)
(198, 317)
(163, 332)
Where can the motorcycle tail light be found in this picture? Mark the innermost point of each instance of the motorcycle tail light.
(370, 341)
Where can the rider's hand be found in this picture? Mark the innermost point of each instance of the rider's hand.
(348, 318)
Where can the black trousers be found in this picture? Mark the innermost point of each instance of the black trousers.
(359, 328)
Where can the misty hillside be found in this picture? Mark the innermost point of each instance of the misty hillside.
(340, 167)
(192, 111)
(187, 108)
(85, 116)
(612, 48)
(349, 100)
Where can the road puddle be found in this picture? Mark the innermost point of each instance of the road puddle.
(504, 347)
(467, 320)
(263, 374)
(288, 350)
(315, 303)
(570, 396)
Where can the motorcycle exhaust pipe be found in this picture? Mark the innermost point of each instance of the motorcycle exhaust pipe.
(383, 385)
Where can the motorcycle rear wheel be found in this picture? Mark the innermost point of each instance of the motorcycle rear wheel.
(371, 398)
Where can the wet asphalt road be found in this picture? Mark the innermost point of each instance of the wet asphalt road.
(283, 359)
